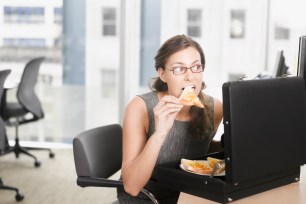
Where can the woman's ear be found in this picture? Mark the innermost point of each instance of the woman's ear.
(161, 73)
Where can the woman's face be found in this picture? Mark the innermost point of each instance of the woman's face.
(177, 82)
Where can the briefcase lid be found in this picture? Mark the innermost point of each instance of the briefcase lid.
(264, 127)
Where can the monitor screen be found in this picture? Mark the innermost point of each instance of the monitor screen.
(302, 58)
(280, 65)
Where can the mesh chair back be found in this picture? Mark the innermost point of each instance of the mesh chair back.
(98, 152)
(26, 90)
(3, 140)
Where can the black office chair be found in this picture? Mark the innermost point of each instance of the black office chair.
(98, 155)
(15, 114)
(3, 140)
(19, 196)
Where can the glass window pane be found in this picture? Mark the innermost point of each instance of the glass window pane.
(109, 14)
(194, 31)
(194, 15)
(22, 42)
(58, 15)
(237, 20)
(109, 30)
(24, 14)
(281, 33)
(109, 22)
(194, 22)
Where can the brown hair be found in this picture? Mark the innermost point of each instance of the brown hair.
(198, 127)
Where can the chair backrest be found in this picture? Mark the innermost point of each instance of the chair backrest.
(26, 90)
(98, 151)
(3, 140)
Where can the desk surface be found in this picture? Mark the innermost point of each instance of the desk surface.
(291, 193)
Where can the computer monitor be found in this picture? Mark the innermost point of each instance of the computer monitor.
(280, 65)
(302, 58)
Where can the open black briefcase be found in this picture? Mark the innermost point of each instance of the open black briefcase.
(264, 141)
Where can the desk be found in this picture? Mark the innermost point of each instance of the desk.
(291, 193)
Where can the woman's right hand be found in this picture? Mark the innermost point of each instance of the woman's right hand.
(164, 114)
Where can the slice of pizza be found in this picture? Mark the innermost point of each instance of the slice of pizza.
(197, 166)
(189, 98)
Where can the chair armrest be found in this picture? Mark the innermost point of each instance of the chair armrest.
(101, 182)
(98, 182)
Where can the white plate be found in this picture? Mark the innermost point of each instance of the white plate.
(182, 167)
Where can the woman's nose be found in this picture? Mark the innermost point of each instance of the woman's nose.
(189, 75)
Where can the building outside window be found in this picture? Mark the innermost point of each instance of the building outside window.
(108, 82)
(23, 42)
(194, 22)
(237, 19)
(24, 14)
(58, 41)
(58, 15)
(281, 32)
(109, 17)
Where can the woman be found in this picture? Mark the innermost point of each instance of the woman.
(158, 129)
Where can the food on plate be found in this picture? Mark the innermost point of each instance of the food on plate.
(212, 161)
(203, 166)
(189, 98)
(200, 166)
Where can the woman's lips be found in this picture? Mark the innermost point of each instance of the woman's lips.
(191, 86)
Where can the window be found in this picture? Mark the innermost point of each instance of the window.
(58, 41)
(108, 82)
(109, 21)
(108, 77)
(281, 33)
(22, 42)
(237, 23)
(194, 21)
(24, 14)
(58, 15)
(45, 79)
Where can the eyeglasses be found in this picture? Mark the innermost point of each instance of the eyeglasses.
(197, 68)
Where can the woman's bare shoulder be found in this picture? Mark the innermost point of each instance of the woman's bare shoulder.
(136, 103)
(136, 113)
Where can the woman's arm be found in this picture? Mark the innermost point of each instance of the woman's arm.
(139, 154)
